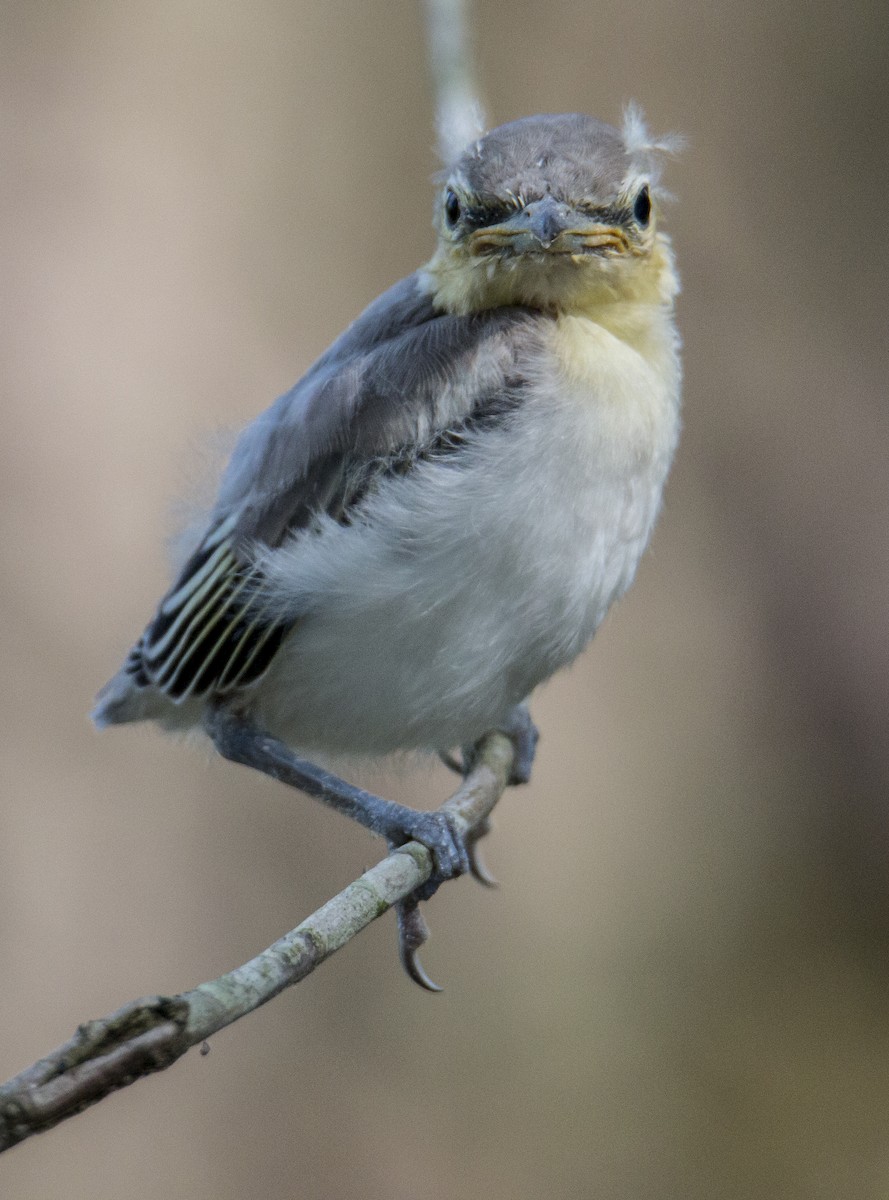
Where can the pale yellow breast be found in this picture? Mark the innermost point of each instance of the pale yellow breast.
(625, 375)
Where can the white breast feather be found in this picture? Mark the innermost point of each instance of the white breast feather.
(469, 583)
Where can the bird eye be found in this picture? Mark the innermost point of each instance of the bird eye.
(451, 207)
(642, 207)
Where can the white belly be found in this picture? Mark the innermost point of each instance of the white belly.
(477, 577)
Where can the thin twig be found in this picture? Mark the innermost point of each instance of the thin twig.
(148, 1035)
(458, 107)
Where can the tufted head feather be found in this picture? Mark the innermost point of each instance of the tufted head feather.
(647, 151)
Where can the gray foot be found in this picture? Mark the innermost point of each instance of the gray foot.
(453, 853)
(523, 734)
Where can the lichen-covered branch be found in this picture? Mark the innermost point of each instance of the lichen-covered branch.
(148, 1035)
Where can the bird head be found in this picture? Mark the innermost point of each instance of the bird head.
(552, 212)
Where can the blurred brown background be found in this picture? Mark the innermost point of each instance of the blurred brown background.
(680, 989)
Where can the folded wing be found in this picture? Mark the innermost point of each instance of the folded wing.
(401, 385)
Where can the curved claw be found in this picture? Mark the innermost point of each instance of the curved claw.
(412, 933)
(414, 968)
(477, 866)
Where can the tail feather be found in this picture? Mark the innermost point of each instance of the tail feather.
(122, 700)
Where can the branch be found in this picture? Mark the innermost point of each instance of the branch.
(458, 108)
(148, 1035)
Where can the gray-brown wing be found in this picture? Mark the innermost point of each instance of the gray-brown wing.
(402, 384)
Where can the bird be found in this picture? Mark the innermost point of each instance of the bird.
(438, 515)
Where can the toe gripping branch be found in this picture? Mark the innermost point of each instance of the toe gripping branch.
(148, 1035)
(413, 931)
(450, 834)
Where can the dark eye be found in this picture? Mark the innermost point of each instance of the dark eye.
(642, 207)
(451, 207)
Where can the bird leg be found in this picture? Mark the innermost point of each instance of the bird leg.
(238, 740)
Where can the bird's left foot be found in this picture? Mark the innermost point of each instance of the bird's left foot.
(413, 931)
(453, 853)
(452, 846)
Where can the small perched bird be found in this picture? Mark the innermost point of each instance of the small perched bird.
(439, 514)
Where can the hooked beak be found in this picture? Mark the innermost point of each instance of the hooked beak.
(548, 226)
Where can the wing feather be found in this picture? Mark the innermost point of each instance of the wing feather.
(402, 384)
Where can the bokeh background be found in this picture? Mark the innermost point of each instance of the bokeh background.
(681, 988)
